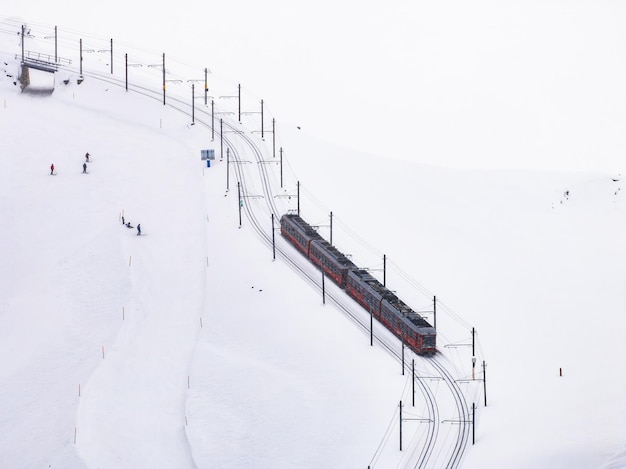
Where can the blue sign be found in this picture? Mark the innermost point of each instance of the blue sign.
(207, 155)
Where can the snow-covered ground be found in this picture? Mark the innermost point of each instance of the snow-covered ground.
(190, 347)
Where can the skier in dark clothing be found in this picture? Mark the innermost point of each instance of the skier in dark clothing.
(138, 229)
(52, 168)
(84, 167)
(128, 225)
(87, 157)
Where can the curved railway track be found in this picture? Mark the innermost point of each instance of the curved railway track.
(422, 455)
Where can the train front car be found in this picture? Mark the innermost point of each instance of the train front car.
(409, 326)
(390, 311)
(428, 338)
(298, 232)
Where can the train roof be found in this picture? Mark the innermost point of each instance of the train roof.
(304, 226)
(420, 323)
(390, 297)
(373, 283)
(335, 253)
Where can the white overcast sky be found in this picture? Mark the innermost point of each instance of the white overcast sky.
(532, 84)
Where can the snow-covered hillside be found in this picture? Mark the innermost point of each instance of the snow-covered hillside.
(190, 347)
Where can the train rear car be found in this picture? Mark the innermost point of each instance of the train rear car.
(298, 232)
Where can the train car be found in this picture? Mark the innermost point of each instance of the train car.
(298, 232)
(317, 249)
(335, 264)
(408, 325)
(392, 312)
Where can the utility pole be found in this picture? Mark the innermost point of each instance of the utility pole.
(485, 381)
(384, 270)
(473, 355)
(273, 138)
(281, 167)
(473, 347)
(126, 69)
(206, 85)
(413, 379)
(193, 104)
(163, 78)
(331, 228)
(212, 120)
(221, 140)
(435, 312)
(400, 425)
(56, 48)
(273, 240)
(262, 137)
(111, 56)
(81, 56)
(402, 340)
(323, 284)
(239, 100)
(240, 201)
(298, 186)
(371, 324)
(473, 422)
(227, 169)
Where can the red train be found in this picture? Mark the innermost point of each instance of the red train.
(388, 309)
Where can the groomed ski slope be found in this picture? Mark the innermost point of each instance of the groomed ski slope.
(188, 344)
(184, 347)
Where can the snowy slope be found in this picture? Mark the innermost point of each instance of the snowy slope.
(190, 347)
(111, 324)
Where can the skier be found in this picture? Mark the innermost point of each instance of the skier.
(138, 229)
(128, 225)
(123, 222)
(52, 168)
(84, 168)
(87, 157)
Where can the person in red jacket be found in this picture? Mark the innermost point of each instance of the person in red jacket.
(52, 168)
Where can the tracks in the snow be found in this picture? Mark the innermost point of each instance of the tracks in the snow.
(254, 179)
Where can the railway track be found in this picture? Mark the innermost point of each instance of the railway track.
(430, 451)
